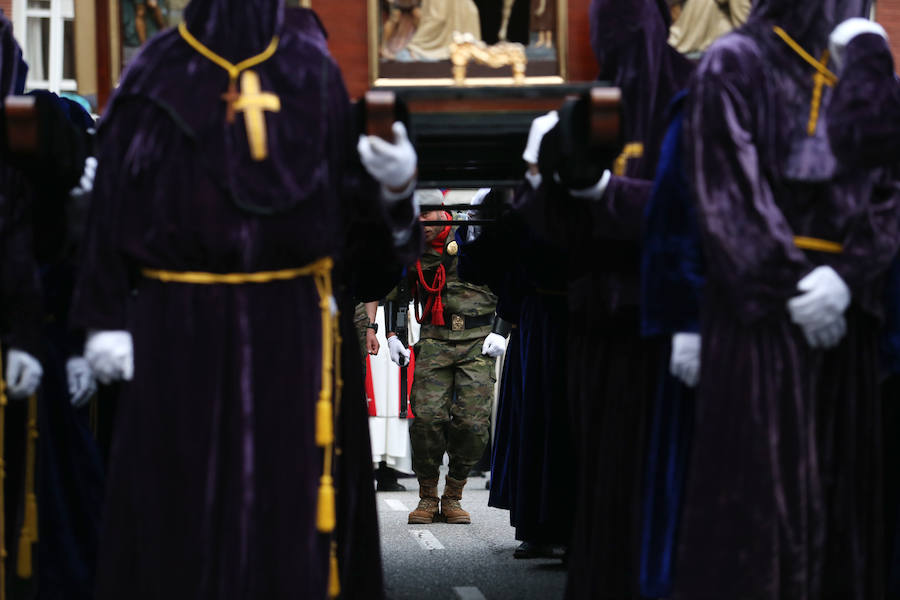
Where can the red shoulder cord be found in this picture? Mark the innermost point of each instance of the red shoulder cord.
(433, 306)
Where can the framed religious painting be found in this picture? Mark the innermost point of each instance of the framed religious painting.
(142, 19)
(478, 42)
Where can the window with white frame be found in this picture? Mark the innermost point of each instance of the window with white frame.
(46, 31)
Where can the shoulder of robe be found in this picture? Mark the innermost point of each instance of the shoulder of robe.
(734, 57)
(305, 20)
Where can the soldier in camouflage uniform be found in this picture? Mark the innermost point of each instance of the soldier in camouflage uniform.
(453, 386)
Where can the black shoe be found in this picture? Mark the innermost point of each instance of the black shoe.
(487, 485)
(390, 486)
(534, 550)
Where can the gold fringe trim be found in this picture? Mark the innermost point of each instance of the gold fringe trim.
(28, 535)
(334, 578)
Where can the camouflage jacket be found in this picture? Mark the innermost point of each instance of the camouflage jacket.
(460, 299)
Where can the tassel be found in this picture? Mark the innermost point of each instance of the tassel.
(325, 518)
(437, 311)
(23, 564)
(334, 580)
(31, 520)
(324, 422)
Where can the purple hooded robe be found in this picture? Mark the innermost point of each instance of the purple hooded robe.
(612, 370)
(20, 310)
(784, 492)
(212, 489)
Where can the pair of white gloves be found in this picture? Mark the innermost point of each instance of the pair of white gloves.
(494, 346)
(24, 373)
(819, 309)
(110, 354)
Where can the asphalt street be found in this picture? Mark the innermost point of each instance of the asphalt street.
(459, 562)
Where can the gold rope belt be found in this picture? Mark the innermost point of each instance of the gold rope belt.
(328, 405)
(817, 245)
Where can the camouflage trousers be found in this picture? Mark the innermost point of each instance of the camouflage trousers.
(360, 321)
(451, 398)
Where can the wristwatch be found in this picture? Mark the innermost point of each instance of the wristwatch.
(373, 327)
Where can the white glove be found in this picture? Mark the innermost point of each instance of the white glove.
(534, 179)
(844, 33)
(23, 374)
(82, 384)
(86, 183)
(828, 335)
(393, 165)
(494, 345)
(820, 310)
(539, 128)
(399, 353)
(684, 364)
(596, 191)
(111, 355)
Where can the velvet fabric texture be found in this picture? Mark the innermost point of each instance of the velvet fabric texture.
(19, 286)
(673, 275)
(71, 474)
(864, 129)
(301, 71)
(20, 313)
(532, 471)
(784, 486)
(613, 373)
(864, 113)
(672, 264)
(214, 471)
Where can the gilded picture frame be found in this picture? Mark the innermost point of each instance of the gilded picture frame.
(416, 52)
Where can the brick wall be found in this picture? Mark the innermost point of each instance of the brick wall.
(888, 13)
(6, 6)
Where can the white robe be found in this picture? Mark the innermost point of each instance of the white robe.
(388, 432)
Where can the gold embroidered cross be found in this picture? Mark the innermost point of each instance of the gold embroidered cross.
(253, 103)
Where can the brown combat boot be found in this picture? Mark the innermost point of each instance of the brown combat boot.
(428, 503)
(450, 507)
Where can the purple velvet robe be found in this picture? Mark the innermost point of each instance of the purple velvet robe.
(612, 371)
(20, 310)
(864, 114)
(784, 487)
(214, 470)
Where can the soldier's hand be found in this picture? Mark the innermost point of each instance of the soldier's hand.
(399, 352)
(372, 344)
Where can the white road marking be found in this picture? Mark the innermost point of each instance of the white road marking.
(426, 539)
(469, 592)
(396, 505)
